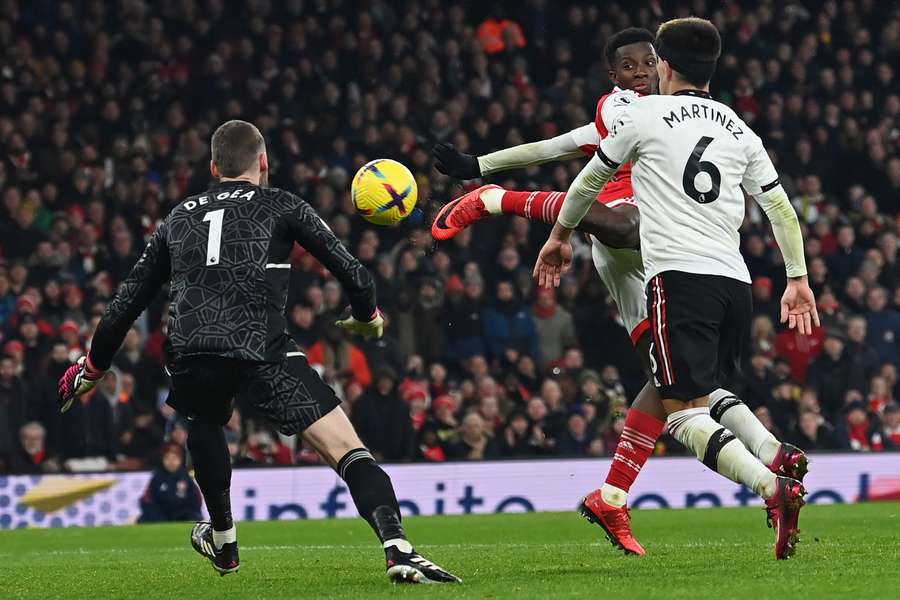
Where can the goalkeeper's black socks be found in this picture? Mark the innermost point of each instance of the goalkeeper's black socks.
(372, 493)
(212, 469)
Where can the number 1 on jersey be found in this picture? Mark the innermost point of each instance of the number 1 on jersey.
(214, 241)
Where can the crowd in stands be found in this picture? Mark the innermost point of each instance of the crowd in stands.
(106, 110)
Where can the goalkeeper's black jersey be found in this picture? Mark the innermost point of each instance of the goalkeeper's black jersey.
(225, 253)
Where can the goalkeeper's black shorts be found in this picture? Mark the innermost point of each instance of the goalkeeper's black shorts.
(290, 394)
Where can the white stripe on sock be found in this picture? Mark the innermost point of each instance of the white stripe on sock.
(639, 442)
(628, 462)
(400, 544)
(360, 454)
(220, 538)
(639, 435)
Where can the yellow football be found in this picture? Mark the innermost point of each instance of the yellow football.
(384, 192)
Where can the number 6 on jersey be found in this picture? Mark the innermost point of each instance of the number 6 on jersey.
(694, 167)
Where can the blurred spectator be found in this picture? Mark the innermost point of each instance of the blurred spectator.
(883, 327)
(31, 455)
(507, 324)
(847, 258)
(516, 439)
(443, 425)
(857, 348)
(382, 420)
(342, 359)
(541, 432)
(141, 438)
(859, 430)
(267, 449)
(171, 494)
(131, 359)
(892, 424)
(13, 407)
(764, 303)
(497, 33)
(576, 440)
(834, 372)
(812, 434)
(555, 327)
(800, 350)
(462, 315)
(879, 395)
(473, 443)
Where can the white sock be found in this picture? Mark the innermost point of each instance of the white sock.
(493, 199)
(694, 428)
(400, 544)
(737, 464)
(737, 417)
(220, 538)
(613, 496)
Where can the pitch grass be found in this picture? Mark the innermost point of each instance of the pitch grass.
(846, 551)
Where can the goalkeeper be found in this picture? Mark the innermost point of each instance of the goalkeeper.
(225, 256)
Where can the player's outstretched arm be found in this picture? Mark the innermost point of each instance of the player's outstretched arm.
(450, 161)
(798, 304)
(144, 281)
(308, 229)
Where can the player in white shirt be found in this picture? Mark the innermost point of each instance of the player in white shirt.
(691, 156)
(612, 223)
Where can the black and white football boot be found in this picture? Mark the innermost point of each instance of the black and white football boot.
(225, 560)
(405, 565)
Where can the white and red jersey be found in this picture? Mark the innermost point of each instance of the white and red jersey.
(618, 190)
(620, 269)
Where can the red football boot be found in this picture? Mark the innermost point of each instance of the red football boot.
(615, 521)
(459, 213)
(783, 510)
(790, 462)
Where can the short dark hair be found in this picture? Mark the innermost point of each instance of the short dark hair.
(235, 146)
(691, 46)
(632, 35)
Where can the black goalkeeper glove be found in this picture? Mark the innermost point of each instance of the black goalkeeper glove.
(450, 161)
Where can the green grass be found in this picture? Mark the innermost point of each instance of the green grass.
(846, 551)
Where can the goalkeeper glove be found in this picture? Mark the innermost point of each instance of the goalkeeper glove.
(78, 379)
(374, 327)
(450, 161)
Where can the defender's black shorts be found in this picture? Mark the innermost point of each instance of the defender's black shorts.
(290, 393)
(700, 330)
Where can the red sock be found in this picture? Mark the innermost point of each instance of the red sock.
(539, 206)
(634, 448)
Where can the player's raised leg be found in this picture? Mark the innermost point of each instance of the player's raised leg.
(615, 224)
(334, 438)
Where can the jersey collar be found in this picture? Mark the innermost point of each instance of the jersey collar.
(698, 93)
(235, 183)
(618, 89)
